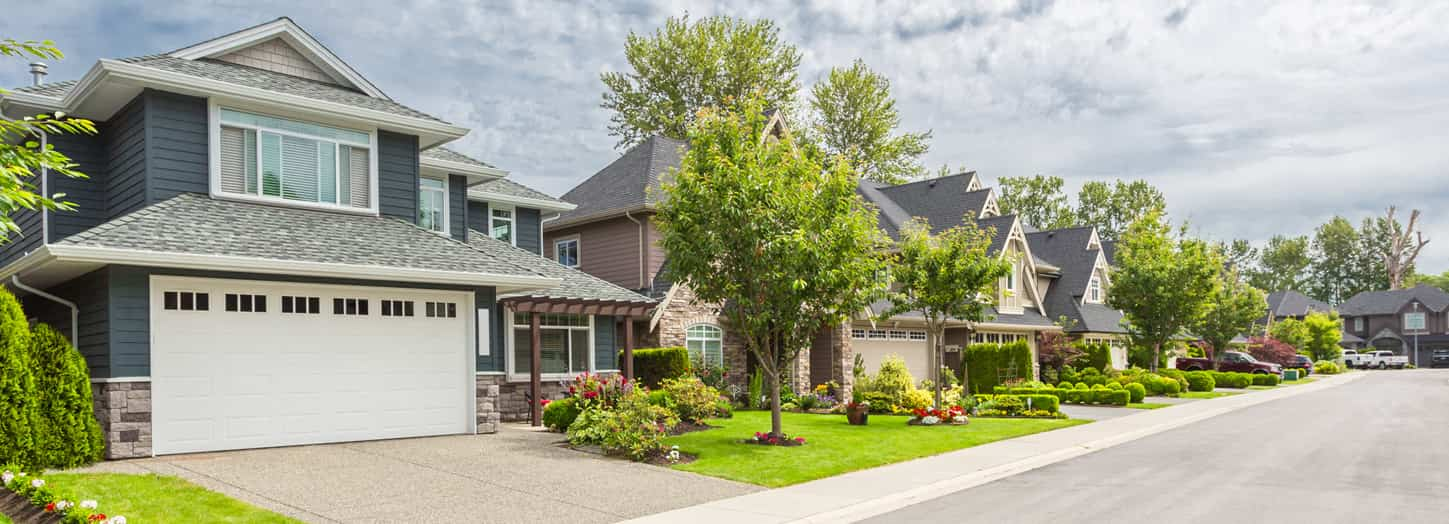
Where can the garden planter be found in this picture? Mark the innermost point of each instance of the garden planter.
(858, 415)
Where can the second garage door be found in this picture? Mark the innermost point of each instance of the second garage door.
(245, 364)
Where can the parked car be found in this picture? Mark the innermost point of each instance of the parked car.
(1302, 363)
(1351, 358)
(1440, 358)
(1383, 359)
(1232, 361)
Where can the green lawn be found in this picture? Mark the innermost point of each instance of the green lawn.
(832, 446)
(1206, 394)
(156, 498)
(1148, 405)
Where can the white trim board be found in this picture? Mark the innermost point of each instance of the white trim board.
(294, 36)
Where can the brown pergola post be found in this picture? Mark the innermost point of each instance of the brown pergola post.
(535, 372)
(629, 348)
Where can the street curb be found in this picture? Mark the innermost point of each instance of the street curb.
(888, 503)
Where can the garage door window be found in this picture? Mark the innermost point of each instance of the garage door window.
(349, 306)
(186, 301)
(309, 305)
(397, 308)
(565, 347)
(246, 303)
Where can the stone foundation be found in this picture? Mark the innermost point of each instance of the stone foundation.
(124, 411)
(502, 401)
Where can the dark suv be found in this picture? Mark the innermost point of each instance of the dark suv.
(1303, 363)
(1440, 358)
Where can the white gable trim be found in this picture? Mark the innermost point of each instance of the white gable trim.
(1099, 264)
(1094, 241)
(479, 195)
(294, 36)
(1019, 237)
(990, 209)
(476, 174)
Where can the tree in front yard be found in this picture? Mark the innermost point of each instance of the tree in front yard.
(1163, 283)
(1233, 309)
(1324, 331)
(18, 407)
(946, 276)
(1269, 349)
(780, 241)
(1055, 349)
(1291, 331)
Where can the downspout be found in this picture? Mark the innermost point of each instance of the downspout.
(642, 283)
(74, 309)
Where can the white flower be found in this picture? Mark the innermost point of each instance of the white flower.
(930, 420)
(61, 505)
(88, 504)
(37, 483)
(117, 520)
(959, 419)
(6, 477)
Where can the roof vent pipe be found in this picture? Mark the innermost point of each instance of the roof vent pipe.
(37, 72)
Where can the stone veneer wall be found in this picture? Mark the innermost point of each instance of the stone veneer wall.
(503, 401)
(681, 311)
(124, 411)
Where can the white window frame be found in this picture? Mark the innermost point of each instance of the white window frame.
(1423, 321)
(578, 251)
(447, 188)
(720, 339)
(214, 126)
(512, 221)
(1358, 323)
(509, 350)
(1094, 290)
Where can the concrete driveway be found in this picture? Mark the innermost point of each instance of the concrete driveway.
(516, 475)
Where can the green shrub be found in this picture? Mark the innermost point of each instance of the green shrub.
(1232, 380)
(1081, 385)
(653, 365)
(19, 406)
(723, 409)
(894, 379)
(1200, 381)
(634, 428)
(1266, 379)
(1175, 374)
(1047, 403)
(1095, 356)
(66, 433)
(757, 390)
(1170, 387)
(1325, 367)
(985, 361)
(1115, 397)
(560, 414)
(1114, 385)
(1136, 392)
(879, 402)
(693, 400)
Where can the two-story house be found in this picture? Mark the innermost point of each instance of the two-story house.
(1075, 279)
(1399, 320)
(270, 251)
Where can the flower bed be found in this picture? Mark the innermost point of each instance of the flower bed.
(58, 507)
(771, 439)
(951, 416)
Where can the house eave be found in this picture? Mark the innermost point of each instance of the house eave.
(536, 203)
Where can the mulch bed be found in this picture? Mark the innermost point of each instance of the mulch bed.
(20, 510)
(688, 427)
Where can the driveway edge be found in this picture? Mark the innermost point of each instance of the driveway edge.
(911, 482)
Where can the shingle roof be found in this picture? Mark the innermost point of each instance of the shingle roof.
(1390, 302)
(196, 224)
(1067, 249)
(1109, 249)
(1289, 303)
(576, 284)
(631, 181)
(943, 202)
(1028, 317)
(449, 155)
(1002, 225)
(505, 186)
(256, 78)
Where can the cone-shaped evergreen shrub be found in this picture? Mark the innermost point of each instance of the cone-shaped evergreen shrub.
(17, 386)
(66, 432)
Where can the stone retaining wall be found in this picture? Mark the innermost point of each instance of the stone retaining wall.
(124, 411)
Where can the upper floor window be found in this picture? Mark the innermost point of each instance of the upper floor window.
(1094, 290)
(567, 252)
(433, 205)
(705, 343)
(1414, 321)
(1358, 323)
(500, 225)
(268, 157)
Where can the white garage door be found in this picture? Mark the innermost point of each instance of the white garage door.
(245, 364)
(914, 352)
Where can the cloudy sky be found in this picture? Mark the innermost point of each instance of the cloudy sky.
(1253, 121)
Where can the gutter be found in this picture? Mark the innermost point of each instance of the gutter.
(74, 309)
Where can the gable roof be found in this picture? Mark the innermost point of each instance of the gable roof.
(449, 155)
(1390, 302)
(1109, 250)
(1067, 249)
(507, 191)
(944, 202)
(1289, 303)
(295, 37)
(574, 284)
(631, 182)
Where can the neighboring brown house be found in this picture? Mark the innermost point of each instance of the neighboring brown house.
(1292, 304)
(1399, 320)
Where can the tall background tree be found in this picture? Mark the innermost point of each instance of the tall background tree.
(1233, 309)
(855, 117)
(1283, 264)
(1440, 281)
(688, 66)
(25, 153)
(1039, 200)
(1113, 208)
(1162, 282)
(950, 275)
(780, 241)
(1403, 246)
(1239, 256)
(1339, 269)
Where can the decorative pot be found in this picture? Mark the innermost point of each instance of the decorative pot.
(857, 415)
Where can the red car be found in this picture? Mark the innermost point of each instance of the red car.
(1235, 361)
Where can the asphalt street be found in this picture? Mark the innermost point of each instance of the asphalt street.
(1372, 450)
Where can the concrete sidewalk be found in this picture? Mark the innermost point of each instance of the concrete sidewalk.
(863, 494)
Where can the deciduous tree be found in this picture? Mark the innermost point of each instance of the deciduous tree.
(1163, 283)
(782, 243)
(1112, 209)
(1403, 246)
(855, 117)
(1038, 200)
(1233, 309)
(1339, 269)
(1283, 264)
(1324, 331)
(1290, 331)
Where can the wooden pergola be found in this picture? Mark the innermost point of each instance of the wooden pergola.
(536, 306)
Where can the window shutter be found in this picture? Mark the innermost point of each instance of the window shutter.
(233, 160)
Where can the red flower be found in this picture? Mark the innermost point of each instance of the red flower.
(97, 517)
(591, 394)
(544, 402)
(49, 508)
(799, 440)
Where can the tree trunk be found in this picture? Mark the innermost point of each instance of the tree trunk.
(938, 350)
(775, 419)
(966, 366)
(1156, 356)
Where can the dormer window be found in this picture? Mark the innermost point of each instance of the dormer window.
(500, 225)
(433, 205)
(1094, 290)
(270, 158)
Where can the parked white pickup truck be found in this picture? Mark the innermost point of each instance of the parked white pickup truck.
(1382, 359)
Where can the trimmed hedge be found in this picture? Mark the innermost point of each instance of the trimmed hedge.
(984, 360)
(1266, 379)
(1041, 401)
(1097, 356)
(653, 365)
(1231, 380)
(1073, 395)
(1136, 392)
(1200, 381)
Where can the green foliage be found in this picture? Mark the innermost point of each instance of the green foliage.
(19, 404)
(632, 428)
(984, 362)
(856, 118)
(1038, 200)
(653, 365)
(1283, 264)
(560, 414)
(1233, 309)
(894, 380)
(1231, 379)
(693, 401)
(782, 242)
(661, 398)
(686, 67)
(879, 402)
(1136, 392)
(1440, 281)
(1324, 332)
(1112, 209)
(1162, 283)
(1345, 261)
(1097, 356)
(1200, 381)
(1291, 331)
(756, 390)
(1266, 379)
(1325, 367)
(66, 432)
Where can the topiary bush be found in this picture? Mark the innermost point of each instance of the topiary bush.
(985, 361)
(894, 379)
(1232, 380)
(1169, 387)
(1200, 381)
(66, 432)
(560, 414)
(653, 365)
(1136, 392)
(1095, 356)
(1266, 379)
(1325, 367)
(18, 403)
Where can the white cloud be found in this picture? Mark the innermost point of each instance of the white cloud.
(1253, 120)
